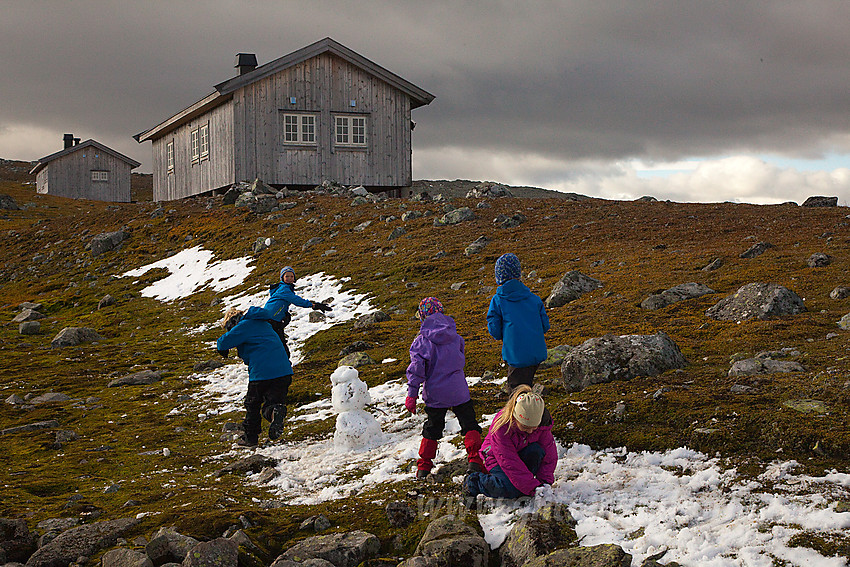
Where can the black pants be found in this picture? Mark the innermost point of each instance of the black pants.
(260, 402)
(524, 375)
(436, 422)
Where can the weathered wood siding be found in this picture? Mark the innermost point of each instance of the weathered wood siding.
(323, 85)
(190, 178)
(70, 176)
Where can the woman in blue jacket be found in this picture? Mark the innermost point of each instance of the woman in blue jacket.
(517, 317)
(269, 370)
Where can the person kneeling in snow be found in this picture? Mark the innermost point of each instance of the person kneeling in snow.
(519, 449)
(281, 296)
(437, 360)
(269, 370)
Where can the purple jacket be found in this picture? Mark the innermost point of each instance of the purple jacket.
(501, 448)
(437, 360)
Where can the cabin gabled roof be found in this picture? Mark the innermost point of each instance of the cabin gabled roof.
(224, 90)
(419, 97)
(42, 163)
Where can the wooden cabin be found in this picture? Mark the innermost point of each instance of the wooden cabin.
(87, 170)
(322, 113)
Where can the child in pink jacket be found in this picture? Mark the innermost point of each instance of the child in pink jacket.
(519, 450)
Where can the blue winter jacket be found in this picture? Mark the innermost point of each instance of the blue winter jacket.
(518, 318)
(258, 345)
(281, 295)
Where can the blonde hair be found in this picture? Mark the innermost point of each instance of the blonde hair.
(507, 416)
(230, 314)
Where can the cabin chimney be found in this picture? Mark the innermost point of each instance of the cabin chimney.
(68, 140)
(246, 62)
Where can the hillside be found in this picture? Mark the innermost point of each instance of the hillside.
(634, 248)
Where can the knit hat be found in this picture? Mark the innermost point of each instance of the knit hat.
(529, 409)
(507, 268)
(286, 269)
(429, 306)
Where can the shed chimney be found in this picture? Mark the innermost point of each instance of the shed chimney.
(246, 62)
(68, 140)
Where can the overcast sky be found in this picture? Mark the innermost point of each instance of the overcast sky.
(683, 100)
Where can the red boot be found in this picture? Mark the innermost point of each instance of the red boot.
(427, 452)
(472, 442)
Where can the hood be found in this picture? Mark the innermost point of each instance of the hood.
(257, 313)
(513, 290)
(438, 328)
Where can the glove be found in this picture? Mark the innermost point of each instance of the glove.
(224, 353)
(410, 404)
(319, 306)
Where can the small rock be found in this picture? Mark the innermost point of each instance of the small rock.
(819, 260)
(106, 301)
(756, 250)
(29, 328)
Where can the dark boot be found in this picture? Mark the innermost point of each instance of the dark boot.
(472, 442)
(246, 441)
(278, 414)
(427, 452)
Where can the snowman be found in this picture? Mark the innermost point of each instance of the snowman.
(356, 429)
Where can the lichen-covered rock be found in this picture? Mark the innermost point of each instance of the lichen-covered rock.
(141, 378)
(755, 250)
(757, 301)
(840, 292)
(220, 552)
(456, 216)
(7, 202)
(555, 356)
(819, 260)
(675, 294)
(74, 336)
(610, 357)
(86, 540)
(570, 287)
(605, 555)
(343, 550)
(488, 189)
(27, 315)
(29, 328)
(370, 320)
(753, 366)
(453, 542)
(844, 322)
(169, 546)
(535, 535)
(17, 543)
(476, 246)
(123, 557)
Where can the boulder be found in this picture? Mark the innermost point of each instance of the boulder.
(570, 287)
(168, 546)
(30, 427)
(356, 360)
(477, 246)
(74, 336)
(534, 535)
(107, 241)
(17, 543)
(844, 322)
(85, 540)
(8, 203)
(123, 557)
(675, 294)
(819, 260)
(608, 358)
(488, 189)
(27, 315)
(819, 201)
(254, 463)
(605, 555)
(317, 523)
(400, 514)
(230, 196)
(29, 328)
(220, 552)
(753, 366)
(840, 292)
(370, 320)
(312, 242)
(555, 356)
(755, 250)
(452, 542)
(141, 378)
(410, 215)
(258, 187)
(342, 550)
(50, 397)
(715, 264)
(397, 232)
(513, 221)
(356, 346)
(262, 243)
(456, 216)
(106, 301)
(757, 301)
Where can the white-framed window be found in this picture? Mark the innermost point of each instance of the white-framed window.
(204, 141)
(350, 130)
(169, 156)
(299, 128)
(98, 175)
(194, 146)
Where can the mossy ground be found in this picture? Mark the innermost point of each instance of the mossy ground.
(635, 248)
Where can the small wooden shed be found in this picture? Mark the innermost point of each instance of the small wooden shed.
(87, 170)
(322, 113)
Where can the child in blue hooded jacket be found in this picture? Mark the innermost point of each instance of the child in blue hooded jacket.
(517, 317)
(269, 370)
(281, 296)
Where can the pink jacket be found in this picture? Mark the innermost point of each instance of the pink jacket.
(502, 448)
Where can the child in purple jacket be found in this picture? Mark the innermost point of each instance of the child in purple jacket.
(520, 453)
(436, 363)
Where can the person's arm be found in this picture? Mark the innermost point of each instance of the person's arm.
(494, 320)
(544, 318)
(507, 457)
(546, 472)
(229, 340)
(417, 370)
